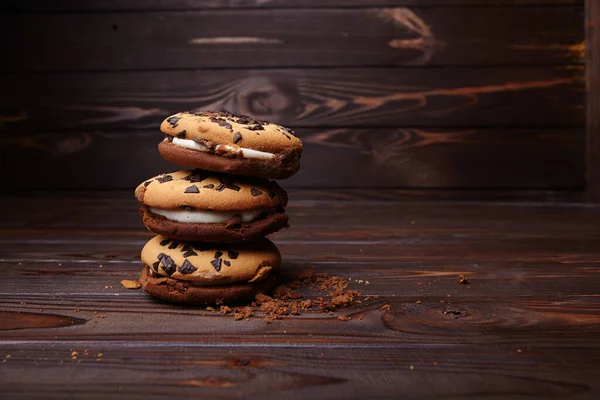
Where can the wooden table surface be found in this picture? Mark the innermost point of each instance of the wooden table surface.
(527, 325)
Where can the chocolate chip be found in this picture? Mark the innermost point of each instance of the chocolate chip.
(202, 143)
(218, 254)
(217, 264)
(186, 207)
(221, 122)
(147, 183)
(196, 176)
(289, 130)
(255, 128)
(155, 266)
(187, 268)
(182, 134)
(165, 242)
(237, 137)
(246, 120)
(173, 121)
(255, 192)
(192, 189)
(209, 186)
(227, 184)
(174, 245)
(233, 254)
(228, 263)
(164, 178)
(188, 251)
(169, 265)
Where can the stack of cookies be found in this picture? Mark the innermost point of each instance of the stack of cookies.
(211, 221)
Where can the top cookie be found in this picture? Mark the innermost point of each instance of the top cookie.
(223, 142)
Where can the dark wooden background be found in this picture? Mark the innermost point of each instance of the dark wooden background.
(456, 95)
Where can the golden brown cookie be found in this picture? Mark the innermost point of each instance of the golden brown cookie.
(224, 142)
(198, 205)
(209, 263)
(175, 291)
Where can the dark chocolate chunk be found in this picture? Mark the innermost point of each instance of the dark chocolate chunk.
(197, 175)
(216, 263)
(169, 265)
(209, 186)
(289, 131)
(165, 242)
(256, 127)
(186, 207)
(237, 137)
(218, 254)
(173, 121)
(192, 189)
(189, 251)
(255, 192)
(233, 254)
(147, 183)
(164, 178)
(203, 144)
(227, 184)
(174, 245)
(246, 120)
(187, 268)
(182, 134)
(155, 266)
(221, 122)
(228, 263)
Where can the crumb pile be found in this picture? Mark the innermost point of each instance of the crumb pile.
(288, 299)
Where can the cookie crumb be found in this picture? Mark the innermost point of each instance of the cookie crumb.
(463, 280)
(342, 318)
(386, 307)
(243, 313)
(210, 309)
(225, 310)
(129, 284)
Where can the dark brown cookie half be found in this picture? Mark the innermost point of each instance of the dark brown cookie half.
(175, 291)
(230, 231)
(282, 166)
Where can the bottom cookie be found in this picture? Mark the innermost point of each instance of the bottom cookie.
(176, 291)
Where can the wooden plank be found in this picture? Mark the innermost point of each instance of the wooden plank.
(374, 97)
(241, 39)
(110, 5)
(168, 371)
(94, 211)
(593, 99)
(475, 158)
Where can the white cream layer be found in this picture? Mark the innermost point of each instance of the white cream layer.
(244, 152)
(206, 217)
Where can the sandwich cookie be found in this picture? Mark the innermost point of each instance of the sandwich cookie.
(202, 273)
(204, 206)
(224, 142)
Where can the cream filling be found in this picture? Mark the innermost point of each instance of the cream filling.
(244, 152)
(207, 217)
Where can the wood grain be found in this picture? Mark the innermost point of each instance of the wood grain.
(593, 100)
(109, 5)
(383, 158)
(527, 325)
(500, 96)
(244, 39)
